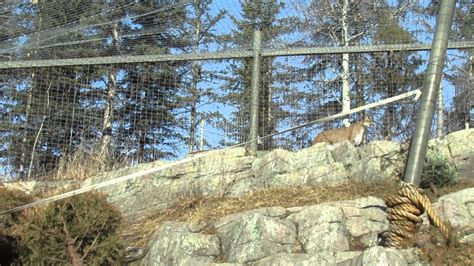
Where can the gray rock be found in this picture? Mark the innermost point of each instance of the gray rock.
(364, 215)
(174, 244)
(349, 258)
(461, 147)
(232, 173)
(208, 176)
(256, 236)
(244, 186)
(332, 226)
(457, 208)
(310, 166)
(346, 153)
(316, 154)
(322, 258)
(283, 259)
(379, 160)
(320, 228)
(458, 147)
(411, 257)
(383, 256)
(461, 142)
(268, 211)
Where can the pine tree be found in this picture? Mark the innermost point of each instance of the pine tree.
(147, 128)
(462, 114)
(256, 15)
(393, 73)
(334, 86)
(9, 29)
(47, 96)
(200, 32)
(354, 77)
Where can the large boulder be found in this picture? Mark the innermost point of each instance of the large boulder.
(333, 233)
(338, 226)
(458, 209)
(257, 236)
(212, 175)
(175, 244)
(311, 166)
(378, 160)
(383, 256)
(458, 147)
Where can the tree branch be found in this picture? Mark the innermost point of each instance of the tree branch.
(71, 250)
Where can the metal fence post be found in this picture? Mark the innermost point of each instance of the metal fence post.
(257, 42)
(424, 120)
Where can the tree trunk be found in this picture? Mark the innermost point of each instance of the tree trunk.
(195, 79)
(346, 98)
(70, 247)
(29, 101)
(109, 105)
(266, 120)
(22, 168)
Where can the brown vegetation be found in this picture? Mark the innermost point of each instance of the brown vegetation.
(211, 209)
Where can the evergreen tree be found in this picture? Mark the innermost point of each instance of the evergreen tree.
(8, 31)
(361, 77)
(45, 97)
(147, 128)
(200, 32)
(462, 78)
(333, 77)
(256, 15)
(393, 73)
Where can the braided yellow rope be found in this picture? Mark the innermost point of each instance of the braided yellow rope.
(403, 212)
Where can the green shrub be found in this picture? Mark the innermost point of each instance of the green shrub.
(9, 224)
(10, 199)
(437, 170)
(85, 223)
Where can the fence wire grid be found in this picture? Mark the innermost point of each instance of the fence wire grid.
(132, 82)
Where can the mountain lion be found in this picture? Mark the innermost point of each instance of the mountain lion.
(354, 133)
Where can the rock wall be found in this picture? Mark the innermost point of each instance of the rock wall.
(333, 233)
(232, 173)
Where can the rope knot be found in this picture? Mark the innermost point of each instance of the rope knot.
(404, 211)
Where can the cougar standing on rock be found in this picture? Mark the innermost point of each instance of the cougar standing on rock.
(354, 133)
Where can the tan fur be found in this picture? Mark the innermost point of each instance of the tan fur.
(354, 133)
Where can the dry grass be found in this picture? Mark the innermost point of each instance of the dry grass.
(436, 250)
(210, 209)
(79, 166)
(436, 193)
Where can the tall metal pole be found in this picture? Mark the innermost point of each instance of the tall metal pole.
(257, 43)
(430, 93)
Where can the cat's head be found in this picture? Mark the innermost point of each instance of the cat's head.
(367, 122)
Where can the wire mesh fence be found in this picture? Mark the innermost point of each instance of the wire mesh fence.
(131, 82)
